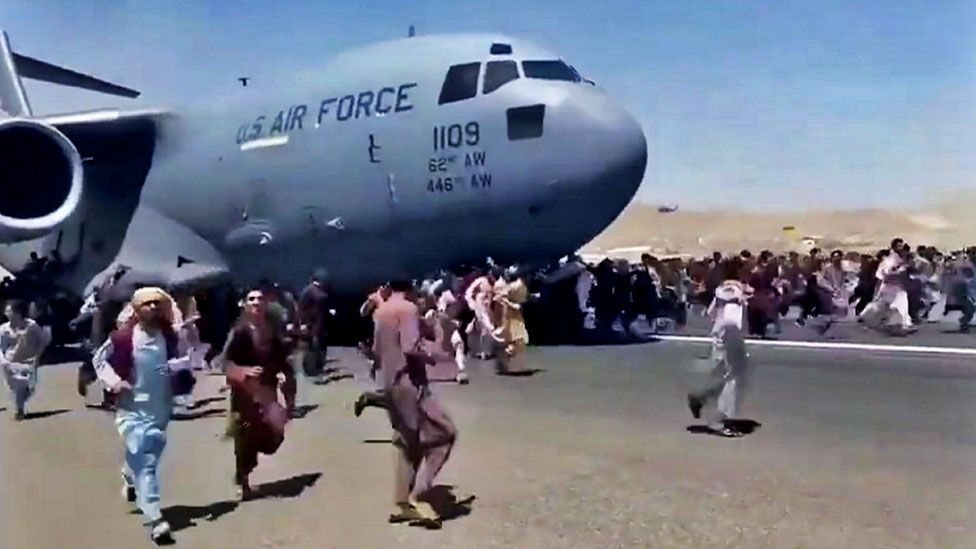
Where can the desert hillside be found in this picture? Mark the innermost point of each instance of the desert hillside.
(950, 224)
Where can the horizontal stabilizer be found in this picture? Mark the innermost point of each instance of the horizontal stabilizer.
(35, 69)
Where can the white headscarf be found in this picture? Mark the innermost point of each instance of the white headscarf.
(143, 295)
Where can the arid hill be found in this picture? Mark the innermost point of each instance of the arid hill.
(949, 225)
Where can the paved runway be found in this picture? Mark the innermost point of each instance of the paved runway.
(855, 449)
(944, 333)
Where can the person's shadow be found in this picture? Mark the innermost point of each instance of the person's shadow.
(332, 378)
(442, 498)
(44, 414)
(181, 517)
(287, 488)
(528, 372)
(303, 410)
(744, 426)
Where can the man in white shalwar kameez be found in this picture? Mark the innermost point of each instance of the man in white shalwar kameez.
(892, 294)
(729, 376)
(479, 299)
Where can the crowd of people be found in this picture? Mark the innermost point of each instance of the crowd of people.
(144, 345)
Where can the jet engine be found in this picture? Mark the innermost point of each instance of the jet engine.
(40, 179)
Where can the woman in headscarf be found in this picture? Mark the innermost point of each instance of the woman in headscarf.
(257, 361)
(136, 363)
(22, 341)
(511, 334)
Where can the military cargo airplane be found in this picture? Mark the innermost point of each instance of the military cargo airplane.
(407, 156)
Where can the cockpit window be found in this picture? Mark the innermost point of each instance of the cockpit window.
(501, 49)
(499, 73)
(549, 70)
(461, 83)
(525, 122)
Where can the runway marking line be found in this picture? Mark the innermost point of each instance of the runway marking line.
(826, 345)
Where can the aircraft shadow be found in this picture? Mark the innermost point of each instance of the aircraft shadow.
(181, 517)
(44, 414)
(287, 488)
(744, 426)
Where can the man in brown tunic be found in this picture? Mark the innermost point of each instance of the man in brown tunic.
(423, 433)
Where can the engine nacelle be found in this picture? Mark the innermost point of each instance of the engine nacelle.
(40, 179)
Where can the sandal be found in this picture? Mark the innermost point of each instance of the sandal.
(728, 432)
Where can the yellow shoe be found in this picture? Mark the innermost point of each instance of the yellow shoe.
(428, 516)
(405, 512)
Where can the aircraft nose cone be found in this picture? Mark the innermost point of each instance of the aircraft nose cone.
(604, 157)
(611, 145)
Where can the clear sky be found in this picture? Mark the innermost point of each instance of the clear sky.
(758, 104)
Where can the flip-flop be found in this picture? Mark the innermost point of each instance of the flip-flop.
(466, 500)
(428, 523)
(729, 433)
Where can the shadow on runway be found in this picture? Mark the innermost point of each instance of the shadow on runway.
(287, 488)
(744, 426)
(596, 338)
(62, 355)
(332, 378)
(205, 401)
(528, 372)
(305, 409)
(201, 414)
(442, 498)
(452, 380)
(181, 517)
(42, 415)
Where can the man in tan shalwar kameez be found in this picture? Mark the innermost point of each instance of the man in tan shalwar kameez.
(423, 433)
(511, 334)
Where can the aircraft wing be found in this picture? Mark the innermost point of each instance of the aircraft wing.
(117, 146)
(111, 135)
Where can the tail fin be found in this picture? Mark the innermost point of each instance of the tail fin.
(13, 66)
(13, 100)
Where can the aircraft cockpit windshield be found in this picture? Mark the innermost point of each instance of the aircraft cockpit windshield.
(550, 70)
(461, 81)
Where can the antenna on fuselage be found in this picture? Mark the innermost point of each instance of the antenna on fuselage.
(412, 32)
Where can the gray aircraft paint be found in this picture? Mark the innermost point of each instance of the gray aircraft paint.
(271, 211)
